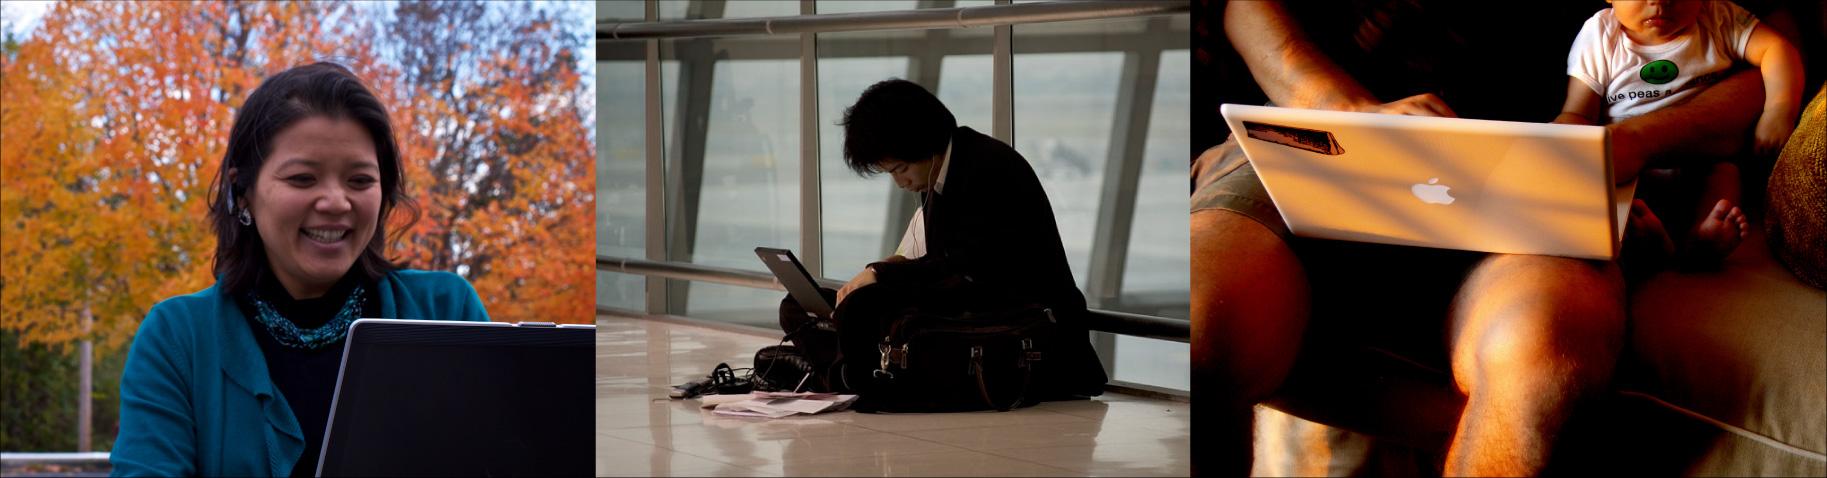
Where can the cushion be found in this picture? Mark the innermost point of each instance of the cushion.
(1744, 350)
(1797, 218)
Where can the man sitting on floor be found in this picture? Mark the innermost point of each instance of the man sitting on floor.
(983, 240)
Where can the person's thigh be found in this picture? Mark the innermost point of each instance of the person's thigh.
(1260, 294)
(1249, 303)
(1249, 292)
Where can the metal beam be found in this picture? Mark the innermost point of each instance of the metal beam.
(1002, 83)
(685, 175)
(1122, 173)
(1125, 323)
(1106, 346)
(655, 186)
(698, 273)
(811, 212)
(1001, 14)
(852, 46)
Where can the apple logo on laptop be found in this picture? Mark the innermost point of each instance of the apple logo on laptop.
(1432, 193)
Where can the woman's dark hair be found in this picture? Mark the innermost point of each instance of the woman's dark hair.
(895, 120)
(319, 89)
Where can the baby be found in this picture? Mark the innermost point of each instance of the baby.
(1639, 56)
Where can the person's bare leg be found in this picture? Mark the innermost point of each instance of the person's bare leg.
(1249, 308)
(1719, 224)
(1531, 336)
(1644, 224)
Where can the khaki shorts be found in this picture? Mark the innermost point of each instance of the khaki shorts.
(1224, 179)
(1395, 298)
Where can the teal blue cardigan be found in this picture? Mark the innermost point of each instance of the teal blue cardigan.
(195, 395)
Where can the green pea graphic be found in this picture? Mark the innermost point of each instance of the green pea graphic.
(1659, 72)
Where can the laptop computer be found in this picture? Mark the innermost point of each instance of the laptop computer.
(419, 397)
(793, 276)
(1454, 183)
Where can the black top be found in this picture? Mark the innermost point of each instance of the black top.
(993, 228)
(307, 378)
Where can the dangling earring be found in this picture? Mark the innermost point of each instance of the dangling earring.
(242, 217)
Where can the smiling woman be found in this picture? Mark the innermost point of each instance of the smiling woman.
(310, 177)
(317, 197)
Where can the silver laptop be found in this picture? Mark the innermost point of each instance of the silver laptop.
(1478, 185)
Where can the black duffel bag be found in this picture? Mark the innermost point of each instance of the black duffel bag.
(914, 361)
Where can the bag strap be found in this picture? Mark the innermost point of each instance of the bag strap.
(1027, 375)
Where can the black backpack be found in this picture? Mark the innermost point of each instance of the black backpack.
(912, 361)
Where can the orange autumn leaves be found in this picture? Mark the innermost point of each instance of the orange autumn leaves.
(116, 115)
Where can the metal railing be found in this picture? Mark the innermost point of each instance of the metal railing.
(1136, 325)
(920, 19)
(24, 464)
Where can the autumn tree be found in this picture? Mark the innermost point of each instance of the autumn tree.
(494, 105)
(114, 122)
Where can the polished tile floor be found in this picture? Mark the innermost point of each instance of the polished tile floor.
(640, 432)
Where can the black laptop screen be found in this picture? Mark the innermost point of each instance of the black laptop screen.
(464, 400)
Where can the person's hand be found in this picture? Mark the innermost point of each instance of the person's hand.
(866, 277)
(1425, 104)
(1772, 131)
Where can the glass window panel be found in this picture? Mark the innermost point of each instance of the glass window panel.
(854, 208)
(616, 290)
(736, 304)
(1067, 86)
(745, 119)
(1064, 107)
(855, 6)
(625, 10)
(684, 9)
(621, 194)
(1153, 362)
(966, 87)
(1156, 275)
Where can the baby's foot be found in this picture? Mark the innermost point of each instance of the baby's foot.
(1716, 235)
(1643, 227)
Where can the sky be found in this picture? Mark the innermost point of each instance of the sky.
(22, 16)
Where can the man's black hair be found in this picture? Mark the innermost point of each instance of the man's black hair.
(895, 120)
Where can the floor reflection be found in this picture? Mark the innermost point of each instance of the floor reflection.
(640, 432)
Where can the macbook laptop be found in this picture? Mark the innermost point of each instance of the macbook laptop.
(424, 398)
(793, 276)
(1479, 185)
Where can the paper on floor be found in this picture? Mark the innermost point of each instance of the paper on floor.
(776, 404)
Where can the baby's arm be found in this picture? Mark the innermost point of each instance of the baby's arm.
(1781, 66)
(1582, 105)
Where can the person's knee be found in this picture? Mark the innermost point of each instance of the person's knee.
(1249, 305)
(1241, 267)
(1538, 318)
(1544, 285)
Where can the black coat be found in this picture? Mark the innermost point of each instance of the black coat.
(991, 235)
